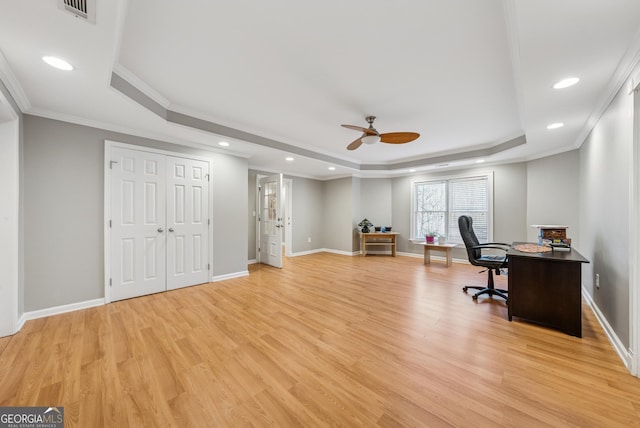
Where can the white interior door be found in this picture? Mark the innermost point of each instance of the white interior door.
(138, 238)
(271, 221)
(187, 222)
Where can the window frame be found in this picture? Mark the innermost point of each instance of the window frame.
(447, 179)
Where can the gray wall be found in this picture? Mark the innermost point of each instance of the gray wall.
(356, 212)
(64, 210)
(510, 203)
(541, 191)
(605, 162)
(376, 201)
(230, 195)
(509, 199)
(553, 194)
(307, 214)
(337, 222)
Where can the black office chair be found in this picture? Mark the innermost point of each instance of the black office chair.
(490, 262)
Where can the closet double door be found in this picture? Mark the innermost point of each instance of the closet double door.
(159, 222)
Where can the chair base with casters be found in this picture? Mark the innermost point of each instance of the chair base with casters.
(490, 262)
(490, 289)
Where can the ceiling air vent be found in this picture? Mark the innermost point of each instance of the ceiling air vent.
(83, 9)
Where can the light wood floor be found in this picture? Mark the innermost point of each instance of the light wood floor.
(329, 340)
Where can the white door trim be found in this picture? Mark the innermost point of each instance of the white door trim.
(108, 145)
(634, 241)
(288, 197)
(257, 214)
(270, 215)
(10, 222)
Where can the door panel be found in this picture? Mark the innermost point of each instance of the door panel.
(271, 221)
(137, 223)
(187, 222)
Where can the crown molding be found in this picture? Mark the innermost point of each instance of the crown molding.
(105, 126)
(511, 26)
(621, 75)
(13, 84)
(140, 85)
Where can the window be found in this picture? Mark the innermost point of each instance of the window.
(438, 204)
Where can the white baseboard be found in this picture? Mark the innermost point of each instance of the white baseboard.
(413, 255)
(343, 253)
(306, 253)
(57, 310)
(357, 253)
(230, 276)
(439, 258)
(623, 353)
(252, 261)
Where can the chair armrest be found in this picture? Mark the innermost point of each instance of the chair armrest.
(494, 246)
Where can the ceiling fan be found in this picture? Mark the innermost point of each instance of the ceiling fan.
(371, 136)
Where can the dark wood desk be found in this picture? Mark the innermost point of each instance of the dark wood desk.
(547, 288)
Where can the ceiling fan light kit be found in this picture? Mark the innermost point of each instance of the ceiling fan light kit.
(371, 139)
(371, 136)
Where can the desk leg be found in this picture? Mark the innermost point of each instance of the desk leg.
(449, 257)
(427, 256)
(393, 246)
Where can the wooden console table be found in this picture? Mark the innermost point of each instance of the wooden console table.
(547, 288)
(373, 239)
(437, 247)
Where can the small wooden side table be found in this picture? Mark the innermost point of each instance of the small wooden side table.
(386, 239)
(437, 247)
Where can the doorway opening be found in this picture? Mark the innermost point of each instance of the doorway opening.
(274, 219)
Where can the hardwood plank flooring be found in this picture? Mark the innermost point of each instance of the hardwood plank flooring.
(329, 340)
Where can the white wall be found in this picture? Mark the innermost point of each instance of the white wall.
(605, 168)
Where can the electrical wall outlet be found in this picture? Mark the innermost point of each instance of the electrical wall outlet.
(309, 239)
(597, 280)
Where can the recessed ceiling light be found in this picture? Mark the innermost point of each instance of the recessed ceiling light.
(479, 160)
(555, 125)
(289, 159)
(223, 144)
(332, 168)
(565, 83)
(412, 170)
(58, 63)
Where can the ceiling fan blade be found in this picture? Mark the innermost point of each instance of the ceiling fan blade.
(361, 129)
(398, 137)
(357, 143)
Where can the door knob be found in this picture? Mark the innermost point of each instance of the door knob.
(160, 230)
(171, 229)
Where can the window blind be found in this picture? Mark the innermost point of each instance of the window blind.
(438, 204)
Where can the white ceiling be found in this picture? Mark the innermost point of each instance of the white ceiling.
(279, 77)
